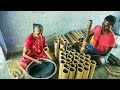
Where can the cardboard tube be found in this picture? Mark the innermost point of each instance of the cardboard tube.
(82, 57)
(76, 58)
(63, 54)
(92, 68)
(72, 73)
(82, 54)
(80, 65)
(68, 60)
(71, 39)
(60, 51)
(70, 56)
(81, 61)
(62, 62)
(67, 52)
(80, 36)
(65, 73)
(86, 72)
(87, 60)
(65, 39)
(73, 65)
(75, 61)
(76, 54)
(87, 64)
(81, 33)
(66, 65)
(49, 54)
(88, 56)
(56, 48)
(60, 38)
(56, 38)
(62, 45)
(62, 58)
(75, 35)
(79, 73)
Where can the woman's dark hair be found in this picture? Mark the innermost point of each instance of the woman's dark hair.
(38, 26)
(111, 19)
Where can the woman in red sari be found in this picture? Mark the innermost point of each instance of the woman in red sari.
(33, 47)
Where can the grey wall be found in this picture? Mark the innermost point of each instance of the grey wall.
(2, 44)
(16, 25)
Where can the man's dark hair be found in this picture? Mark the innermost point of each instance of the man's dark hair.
(111, 19)
(38, 26)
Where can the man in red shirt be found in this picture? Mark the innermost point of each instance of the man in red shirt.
(104, 40)
(33, 47)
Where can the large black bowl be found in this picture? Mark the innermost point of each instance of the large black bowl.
(46, 70)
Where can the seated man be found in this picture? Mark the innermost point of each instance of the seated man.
(33, 47)
(103, 40)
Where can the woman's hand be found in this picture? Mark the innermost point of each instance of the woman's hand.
(37, 61)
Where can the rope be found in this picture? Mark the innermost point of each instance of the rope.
(16, 71)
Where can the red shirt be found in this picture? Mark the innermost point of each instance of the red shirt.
(29, 42)
(103, 41)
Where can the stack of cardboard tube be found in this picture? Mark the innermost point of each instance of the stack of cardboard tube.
(74, 65)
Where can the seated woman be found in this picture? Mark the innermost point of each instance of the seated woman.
(103, 40)
(33, 47)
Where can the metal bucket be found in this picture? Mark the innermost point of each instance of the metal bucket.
(41, 71)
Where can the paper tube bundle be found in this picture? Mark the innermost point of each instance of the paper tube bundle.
(65, 39)
(79, 73)
(80, 36)
(49, 54)
(62, 62)
(71, 39)
(81, 33)
(56, 48)
(86, 72)
(60, 51)
(72, 73)
(92, 68)
(65, 73)
(75, 35)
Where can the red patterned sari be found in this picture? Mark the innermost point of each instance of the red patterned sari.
(35, 50)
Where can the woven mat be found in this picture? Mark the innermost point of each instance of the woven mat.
(16, 71)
